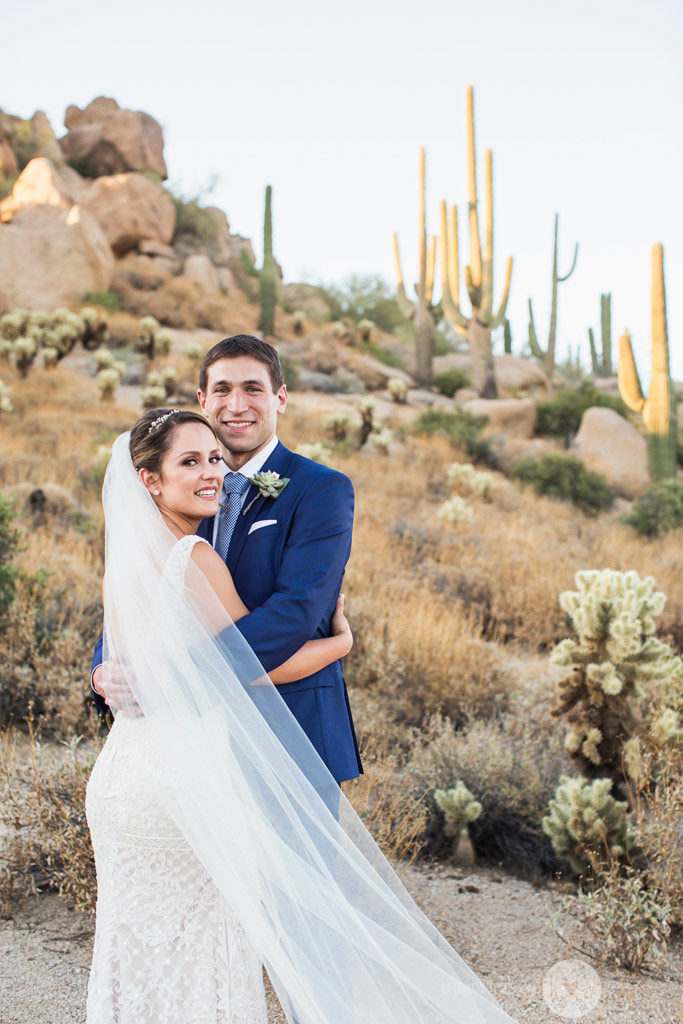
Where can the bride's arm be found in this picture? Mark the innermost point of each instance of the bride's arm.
(314, 655)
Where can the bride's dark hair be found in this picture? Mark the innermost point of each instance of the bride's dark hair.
(150, 437)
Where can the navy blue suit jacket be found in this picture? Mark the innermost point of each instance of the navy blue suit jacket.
(289, 572)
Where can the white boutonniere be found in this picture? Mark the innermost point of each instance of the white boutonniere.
(270, 484)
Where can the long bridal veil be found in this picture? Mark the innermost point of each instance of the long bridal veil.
(342, 940)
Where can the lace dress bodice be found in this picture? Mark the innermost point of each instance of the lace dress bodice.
(168, 950)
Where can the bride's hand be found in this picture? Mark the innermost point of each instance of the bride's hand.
(340, 624)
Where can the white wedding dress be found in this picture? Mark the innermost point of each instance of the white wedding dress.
(168, 949)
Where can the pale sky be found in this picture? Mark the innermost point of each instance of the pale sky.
(581, 103)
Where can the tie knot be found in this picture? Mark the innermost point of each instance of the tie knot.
(235, 483)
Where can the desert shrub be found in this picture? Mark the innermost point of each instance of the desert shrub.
(394, 814)
(9, 543)
(511, 773)
(7, 183)
(560, 416)
(629, 922)
(384, 355)
(566, 478)
(109, 300)
(26, 143)
(43, 812)
(461, 428)
(455, 510)
(192, 219)
(365, 297)
(450, 381)
(659, 509)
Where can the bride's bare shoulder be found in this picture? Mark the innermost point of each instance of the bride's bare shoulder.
(206, 559)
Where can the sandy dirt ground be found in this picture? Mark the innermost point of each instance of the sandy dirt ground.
(500, 926)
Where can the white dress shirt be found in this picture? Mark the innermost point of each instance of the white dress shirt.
(248, 469)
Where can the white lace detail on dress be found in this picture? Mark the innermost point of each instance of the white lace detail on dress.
(168, 950)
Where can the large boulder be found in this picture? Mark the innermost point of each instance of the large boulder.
(514, 376)
(307, 298)
(43, 183)
(512, 417)
(108, 140)
(611, 446)
(200, 270)
(50, 256)
(45, 142)
(130, 208)
(8, 161)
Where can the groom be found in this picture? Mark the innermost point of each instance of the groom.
(287, 554)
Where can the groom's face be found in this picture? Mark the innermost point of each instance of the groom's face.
(241, 406)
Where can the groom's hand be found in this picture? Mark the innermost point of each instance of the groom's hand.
(110, 682)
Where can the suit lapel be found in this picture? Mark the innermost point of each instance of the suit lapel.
(254, 502)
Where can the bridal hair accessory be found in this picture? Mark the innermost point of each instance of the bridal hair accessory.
(270, 484)
(160, 419)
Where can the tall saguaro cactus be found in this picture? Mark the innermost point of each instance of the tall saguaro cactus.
(602, 364)
(267, 277)
(659, 409)
(420, 310)
(483, 320)
(548, 357)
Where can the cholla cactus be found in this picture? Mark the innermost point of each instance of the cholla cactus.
(50, 357)
(163, 341)
(381, 440)
(339, 328)
(107, 381)
(149, 325)
(316, 451)
(337, 425)
(5, 350)
(24, 351)
(587, 826)
(464, 477)
(104, 358)
(13, 325)
(613, 614)
(366, 407)
(193, 351)
(459, 809)
(153, 395)
(455, 510)
(96, 327)
(169, 379)
(5, 399)
(298, 321)
(366, 329)
(398, 389)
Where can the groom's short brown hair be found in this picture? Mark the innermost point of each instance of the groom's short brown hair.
(243, 345)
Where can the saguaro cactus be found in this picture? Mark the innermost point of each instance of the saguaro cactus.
(659, 409)
(602, 366)
(420, 310)
(548, 357)
(476, 328)
(268, 286)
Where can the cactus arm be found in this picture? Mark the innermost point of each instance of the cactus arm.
(475, 247)
(422, 230)
(656, 414)
(627, 375)
(606, 330)
(594, 354)
(500, 314)
(573, 266)
(449, 270)
(404, 303)
(533, 337)
(430, 270)
(487, 262)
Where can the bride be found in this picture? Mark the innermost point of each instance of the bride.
(221, 840)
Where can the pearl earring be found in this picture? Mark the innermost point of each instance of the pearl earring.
(157, 493)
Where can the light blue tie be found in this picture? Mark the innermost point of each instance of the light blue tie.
(234, 486)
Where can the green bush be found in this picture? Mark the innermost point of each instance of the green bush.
(111, 301)
(7, 184)
(461, 428)
(566, 478)
(659, 509)
(9, 540)
(365, 297)
(192, 219)
(450, 381)
(560, 416)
